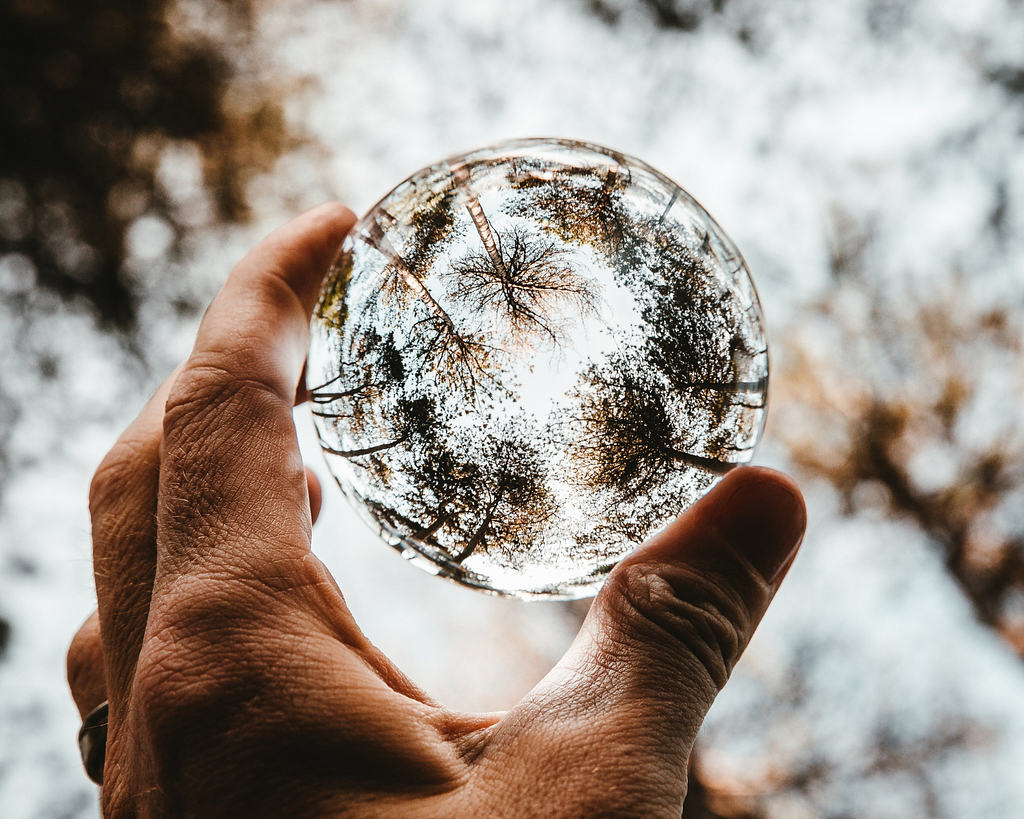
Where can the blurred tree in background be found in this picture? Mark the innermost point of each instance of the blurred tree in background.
(882, 396)
(911, 408)
(90, 95)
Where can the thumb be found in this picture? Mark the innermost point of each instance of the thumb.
(684, 606)
(664, 634)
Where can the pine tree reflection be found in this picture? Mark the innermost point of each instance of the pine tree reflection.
(630, 436)
(535, 291)
(452, 354)
(582, 206)
(675, 395)
(469, 492)
(528, 282)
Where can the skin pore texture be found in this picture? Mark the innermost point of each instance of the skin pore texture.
(239, 683)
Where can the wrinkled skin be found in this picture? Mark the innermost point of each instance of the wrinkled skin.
(239, 684)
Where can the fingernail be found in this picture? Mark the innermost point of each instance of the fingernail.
(764, 521)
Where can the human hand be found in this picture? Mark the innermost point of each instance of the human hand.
(239, 683)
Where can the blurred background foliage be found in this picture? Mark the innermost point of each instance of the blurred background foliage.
(127, 129)
(92, 94)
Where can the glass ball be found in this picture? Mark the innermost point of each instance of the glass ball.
(530, 358)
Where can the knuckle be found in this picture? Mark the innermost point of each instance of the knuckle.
(84, 663)
(210, 411)
(82, 653)
(182, 695)
(207, 654)
(225, 381)
(210, 652)
(210, 408)
(696, 615)
(201, 386)
(198, 708)
(114, 477)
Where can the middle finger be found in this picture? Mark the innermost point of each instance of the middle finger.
(122, 502)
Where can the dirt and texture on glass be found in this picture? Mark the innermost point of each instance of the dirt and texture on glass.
(530, 358)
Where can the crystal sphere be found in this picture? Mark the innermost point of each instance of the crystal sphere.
(531, 357)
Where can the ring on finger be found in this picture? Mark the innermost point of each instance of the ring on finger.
(92, 741)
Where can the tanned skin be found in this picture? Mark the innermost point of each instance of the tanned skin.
(239, 683)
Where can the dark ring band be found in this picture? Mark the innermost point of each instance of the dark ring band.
(92, 741)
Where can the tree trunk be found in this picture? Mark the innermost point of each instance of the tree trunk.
(334, 415)
(476, 213)
(441, 519)
(609, 184)
(478, 535)
(355, 453)
(328, 397)
(377, 239)
(699, 461)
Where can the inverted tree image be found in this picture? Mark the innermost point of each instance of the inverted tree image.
(528, 364)
(630, 435)
(487, 492)
(530, 283)
(535, 290)
(629, 442)
(686, 310)
(675, 393)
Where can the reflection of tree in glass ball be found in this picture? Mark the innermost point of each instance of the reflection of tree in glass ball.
(530, 358)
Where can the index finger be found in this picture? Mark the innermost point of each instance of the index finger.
(233, 494)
